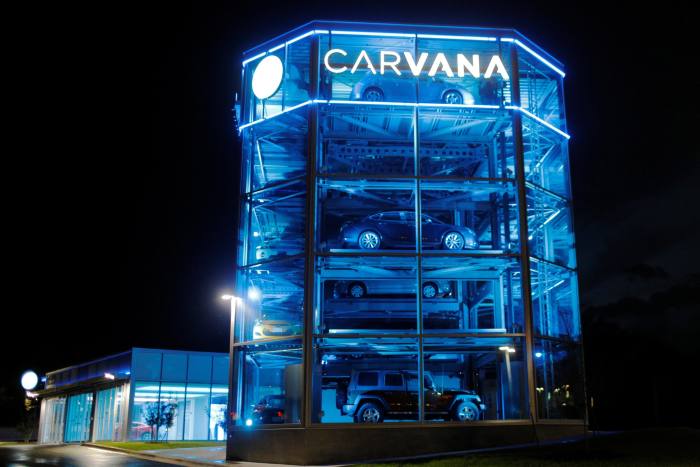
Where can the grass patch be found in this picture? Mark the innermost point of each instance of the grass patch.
(144, 446)
(659, 447)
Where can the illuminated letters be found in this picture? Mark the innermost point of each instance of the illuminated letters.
(390, 60)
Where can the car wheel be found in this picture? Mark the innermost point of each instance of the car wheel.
(453, 241)
(430, 290)
(452, 97)
(373, 95)
(466, 412)
(146, 436)
(357, 290)
(369, 413)
(368, 240)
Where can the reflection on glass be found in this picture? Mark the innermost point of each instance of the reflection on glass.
(217, 411)
(550, 233)
(559, 380)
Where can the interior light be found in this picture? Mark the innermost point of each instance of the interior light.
(538, 354)
(254, 293)
(109, 376)
(249, 422)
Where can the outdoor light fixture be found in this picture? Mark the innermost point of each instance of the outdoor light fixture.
(29, 380)
(32, 395)
(505, 348)
(538, 354)
(109, 376)
(254, 293)
(249, 422)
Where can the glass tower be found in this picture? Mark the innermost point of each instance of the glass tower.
(405, 217)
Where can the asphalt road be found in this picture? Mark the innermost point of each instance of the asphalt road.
(64, 456)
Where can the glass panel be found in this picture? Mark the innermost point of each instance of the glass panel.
(541, 90)
(366, 140)
(273, 300)
(51, 424)
(366, 294)
(474, 295)
(197, 412)
(174, 367)
(277, 223)
(475, 379)
(559, 380)
(546, 158)
(554, 301)
(78, 418)
(145, 417)
(471, 72)
(466, 143)
(273, 380)
(466, 216)
(349, 380)
(366, 215)
(364, 78)
(297, 77)
(217, 411)
(199, 368)
(109, 414)
(275, 151)
(172, 411)
(550, 233)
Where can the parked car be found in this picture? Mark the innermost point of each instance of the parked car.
(391, 88)
(358, 289)
(141, 431)
(373, 396)
(396, 229)
(270, 409)
(275, 328)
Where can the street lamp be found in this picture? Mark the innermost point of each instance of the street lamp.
(234, 301)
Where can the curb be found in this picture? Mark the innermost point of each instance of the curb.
(154, 457)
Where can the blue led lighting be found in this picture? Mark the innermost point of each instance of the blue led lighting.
(411, 104)
(254, 122)
(370, 33)
(547, 124)
(539, 57)
(464, 38)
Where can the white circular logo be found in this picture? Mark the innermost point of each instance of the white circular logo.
(267, 77)
(29, 380)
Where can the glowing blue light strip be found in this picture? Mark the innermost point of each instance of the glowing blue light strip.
(538, 119)
(411, 104)
(464, 38)
(370, 33)
(284, 44)
(255, 122)
(536, 55)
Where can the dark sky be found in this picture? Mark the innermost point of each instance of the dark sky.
(120, 162)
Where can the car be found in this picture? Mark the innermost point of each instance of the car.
(359, 289)
(275, 328)
(391, 88)
(270, 409)
(372, 396)
(141, 431)
(396, 229)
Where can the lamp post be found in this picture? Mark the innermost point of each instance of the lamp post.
(234, 301)
(231, 409)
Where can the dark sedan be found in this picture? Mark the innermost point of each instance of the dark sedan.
(396, 229)
(270, 409)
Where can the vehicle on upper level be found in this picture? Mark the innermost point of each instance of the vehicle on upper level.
(397, 229)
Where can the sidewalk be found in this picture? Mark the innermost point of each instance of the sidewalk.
(202, 456)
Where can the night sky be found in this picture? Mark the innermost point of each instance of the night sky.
(120, 167)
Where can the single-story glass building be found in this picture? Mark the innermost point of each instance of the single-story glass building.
(140, 394)
(406, 256)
